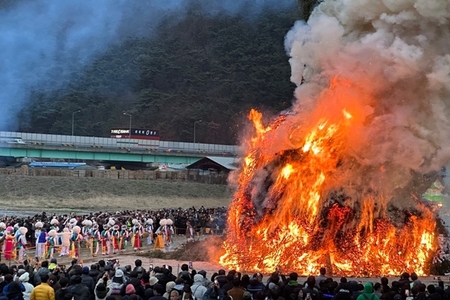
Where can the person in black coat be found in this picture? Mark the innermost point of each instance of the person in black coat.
(79, 290)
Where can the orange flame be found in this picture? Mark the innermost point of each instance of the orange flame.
(280, 216)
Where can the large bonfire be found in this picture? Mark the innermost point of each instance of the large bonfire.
(337, 181)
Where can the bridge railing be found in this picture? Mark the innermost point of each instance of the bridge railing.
(102, 142)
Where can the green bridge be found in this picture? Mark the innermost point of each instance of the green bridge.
(98, 154)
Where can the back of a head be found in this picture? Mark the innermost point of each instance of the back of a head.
(8, 278)
(64, 281)
(44, 264)
(138, 263)
(159, 289)
(323, 271)
(221, 272)
(414, 276)
(184, 267)
(4, 269)
(384, 281)
(44, 277)
(293, 276)
(311, 281)
(236, 282)
(77, 279)
(343, 280)
(77, 270)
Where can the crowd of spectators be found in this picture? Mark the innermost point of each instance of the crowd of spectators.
(109, 280)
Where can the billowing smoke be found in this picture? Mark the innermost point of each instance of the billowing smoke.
(388, 63)
(46, 44)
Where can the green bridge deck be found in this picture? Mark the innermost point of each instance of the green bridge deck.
(125, 155)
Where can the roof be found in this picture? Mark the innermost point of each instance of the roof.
(215, 162)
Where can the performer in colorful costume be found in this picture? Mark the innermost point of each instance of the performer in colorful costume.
(123, 237)
(105, 238)
(65, 242)
(159, 243)
(115, 236)
(190, 232)
(41, 239)
(9, 244)
(95, 240)
(149, 229)
(2, 237)
(168, 232)
(21, 242)
(136, 237)
(51, 243)
(75, 239)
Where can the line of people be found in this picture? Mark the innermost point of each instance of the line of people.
(102, 233)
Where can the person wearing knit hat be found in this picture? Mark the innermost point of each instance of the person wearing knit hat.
(169, 287)
(24, 278)
(129, 290)
(153, 280)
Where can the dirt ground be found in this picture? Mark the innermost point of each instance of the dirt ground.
(32, 193)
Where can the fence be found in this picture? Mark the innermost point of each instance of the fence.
(120, 174)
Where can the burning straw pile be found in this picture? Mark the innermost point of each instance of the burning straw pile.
(338, 180)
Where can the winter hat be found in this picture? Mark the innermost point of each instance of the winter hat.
(130, 289)
(271, 285)
(169, 286)
(119, 273)
(20, 272)
(153, 280)
(85, 270)
(24, 277)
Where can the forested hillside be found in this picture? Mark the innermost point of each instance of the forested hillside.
(205, 68)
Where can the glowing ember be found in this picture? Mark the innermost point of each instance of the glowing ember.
(292, 210)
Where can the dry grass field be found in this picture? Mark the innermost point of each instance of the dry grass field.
(38, 193)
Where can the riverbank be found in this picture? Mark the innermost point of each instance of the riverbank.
(76, 194)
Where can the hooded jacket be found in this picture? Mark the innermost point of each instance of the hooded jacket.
(100, 295)
(198, 289)
(368, 293)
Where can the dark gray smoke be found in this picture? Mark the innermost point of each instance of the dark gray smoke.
(45, 44)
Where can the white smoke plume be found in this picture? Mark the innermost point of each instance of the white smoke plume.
(392, 58)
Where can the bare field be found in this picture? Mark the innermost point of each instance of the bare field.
(37, 193)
